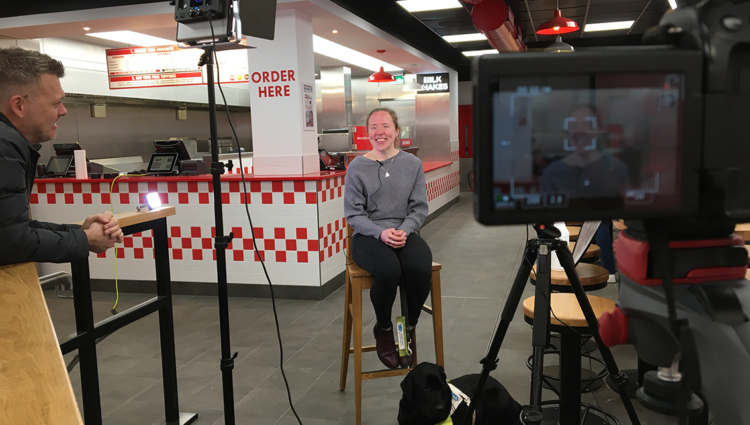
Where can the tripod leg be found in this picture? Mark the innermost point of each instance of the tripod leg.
(489, 362)
(618, 378)
(540, 335)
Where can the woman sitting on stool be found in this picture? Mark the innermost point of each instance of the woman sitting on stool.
(385, 202)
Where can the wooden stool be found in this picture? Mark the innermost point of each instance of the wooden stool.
(357, 280)
(592, 278)
(38, 389)
(743, 230)
(568, 320)
(574, 232)
(591, 254)
(619, 225)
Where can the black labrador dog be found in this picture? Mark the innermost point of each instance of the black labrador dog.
(428, 399)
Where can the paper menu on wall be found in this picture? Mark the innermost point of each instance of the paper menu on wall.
(160, 66)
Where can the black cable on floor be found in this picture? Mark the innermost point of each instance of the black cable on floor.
(250, 220)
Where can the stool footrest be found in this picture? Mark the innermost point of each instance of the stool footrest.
(384, 374)
(365, 349)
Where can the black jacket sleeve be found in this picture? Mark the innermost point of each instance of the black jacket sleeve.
(24, 240)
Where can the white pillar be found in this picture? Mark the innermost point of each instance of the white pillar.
(284, 137)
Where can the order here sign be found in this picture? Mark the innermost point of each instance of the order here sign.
(270, 82)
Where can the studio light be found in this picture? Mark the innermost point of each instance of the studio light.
(153, 200)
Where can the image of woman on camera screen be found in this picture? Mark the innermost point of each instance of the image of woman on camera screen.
(585, 171)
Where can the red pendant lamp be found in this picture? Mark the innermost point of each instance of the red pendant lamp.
(558, 24)
(381, 76)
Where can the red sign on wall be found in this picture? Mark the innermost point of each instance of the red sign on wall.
(406, 143)
(361, 139)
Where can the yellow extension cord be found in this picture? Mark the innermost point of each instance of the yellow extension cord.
(112, 209)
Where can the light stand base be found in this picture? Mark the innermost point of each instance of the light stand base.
(185, 419)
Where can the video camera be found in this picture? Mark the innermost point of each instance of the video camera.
(655, 134)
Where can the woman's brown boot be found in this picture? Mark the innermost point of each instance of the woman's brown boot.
(386, 346)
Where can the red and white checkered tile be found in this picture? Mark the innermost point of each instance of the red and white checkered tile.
(331, 189)
(454, 156)
(332, 238)
(442, 185)
(275, 245)
(175, 193)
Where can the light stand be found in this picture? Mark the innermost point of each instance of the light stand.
(221, 243)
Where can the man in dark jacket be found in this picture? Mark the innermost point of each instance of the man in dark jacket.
(30, 105)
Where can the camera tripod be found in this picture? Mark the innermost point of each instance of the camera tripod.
(539, 250)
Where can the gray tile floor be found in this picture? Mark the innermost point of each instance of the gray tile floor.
(478, 267)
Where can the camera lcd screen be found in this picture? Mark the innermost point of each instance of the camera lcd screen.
(587, 142)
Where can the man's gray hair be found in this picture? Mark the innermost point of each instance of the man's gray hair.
(21, 67)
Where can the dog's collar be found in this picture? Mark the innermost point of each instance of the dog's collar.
(457, 398)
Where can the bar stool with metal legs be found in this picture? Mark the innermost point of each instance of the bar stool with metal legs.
(357, 280)
(593, 277)
(568, 320)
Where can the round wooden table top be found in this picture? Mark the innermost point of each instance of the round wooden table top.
(747, 247)
(568, 310)
(743, 230)
(592, 252)
(589, 274)
(574, 223)
(747, 274)
(574, 232)
(619, 224)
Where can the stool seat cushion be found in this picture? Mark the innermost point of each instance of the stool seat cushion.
(589, 274)
(568, 310)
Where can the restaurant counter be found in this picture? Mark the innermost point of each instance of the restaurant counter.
(299, 227)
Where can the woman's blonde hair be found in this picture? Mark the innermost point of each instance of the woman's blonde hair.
(394, 117)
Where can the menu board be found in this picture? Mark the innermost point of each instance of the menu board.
(168, 66)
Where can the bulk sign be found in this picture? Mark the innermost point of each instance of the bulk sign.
(433, 83)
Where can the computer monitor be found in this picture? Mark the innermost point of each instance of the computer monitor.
(66, 149)
(172, 146)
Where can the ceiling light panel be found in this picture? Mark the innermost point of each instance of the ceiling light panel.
(132, 38)
(609, 26)
(479, 52)
(425, 5)
(673, 4)
(345, 54)
(464, 37)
